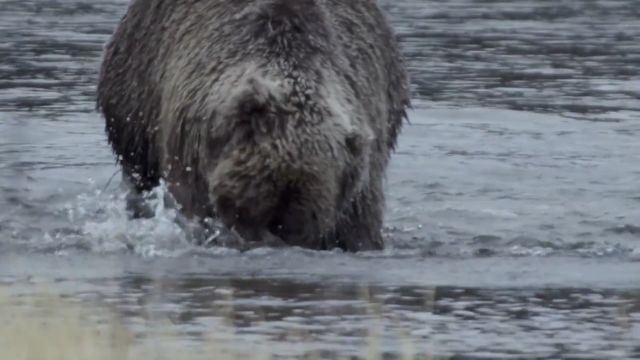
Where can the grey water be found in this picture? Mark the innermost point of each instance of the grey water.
(513, 211)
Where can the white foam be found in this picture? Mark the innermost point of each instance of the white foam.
(105, 226)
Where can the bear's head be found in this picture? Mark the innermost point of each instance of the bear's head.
(286, 159)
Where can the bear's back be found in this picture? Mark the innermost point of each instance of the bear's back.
(175, 61)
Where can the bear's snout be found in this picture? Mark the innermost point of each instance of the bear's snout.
(261, 197)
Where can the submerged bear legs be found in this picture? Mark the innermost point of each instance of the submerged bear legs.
(360, 228)
(136, 205)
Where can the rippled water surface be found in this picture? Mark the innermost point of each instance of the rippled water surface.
(513, 216)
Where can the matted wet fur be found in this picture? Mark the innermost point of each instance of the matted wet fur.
(277, 117)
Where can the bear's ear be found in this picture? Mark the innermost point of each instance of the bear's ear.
(258, 104)
(250, 107)
(255, 114)
(254, 96)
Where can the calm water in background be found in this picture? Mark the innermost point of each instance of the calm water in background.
(513, 202)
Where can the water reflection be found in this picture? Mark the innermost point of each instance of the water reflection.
(304, 318)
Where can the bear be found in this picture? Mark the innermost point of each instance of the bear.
(277, 117)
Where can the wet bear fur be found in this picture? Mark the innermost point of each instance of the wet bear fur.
(277, 117)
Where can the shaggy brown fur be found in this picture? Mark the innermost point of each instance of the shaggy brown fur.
(276, 116)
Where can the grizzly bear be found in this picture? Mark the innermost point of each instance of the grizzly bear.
(277, 117)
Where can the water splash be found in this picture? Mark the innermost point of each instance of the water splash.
(105, 226)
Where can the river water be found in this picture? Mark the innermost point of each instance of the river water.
(513, 216)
